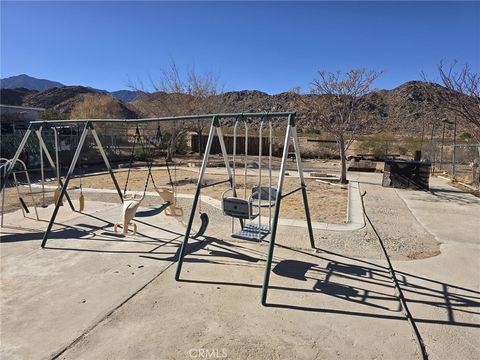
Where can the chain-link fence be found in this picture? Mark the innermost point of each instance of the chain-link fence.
(459, 160)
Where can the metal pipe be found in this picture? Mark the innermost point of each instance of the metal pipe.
(454, 152)
(9, 169)
(224, 152)
(52, 164)
(215, 183)
(270, 176)
(433, 150)
(31, 192)
(65, 185)
(195, 200)
(203, 117)
(293, 191)
(107, 163)
(296, 146)
(259, 189)
(246, 161)
(234, 165)
(441, 148)
(18, 192)
(57, 161)
(42, 170)
(276, 214)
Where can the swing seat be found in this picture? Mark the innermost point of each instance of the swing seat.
(237, 207)
(264, 193)
(203, 227)
(129, 210)
(252, 232)
(153, 210)
(168, 197)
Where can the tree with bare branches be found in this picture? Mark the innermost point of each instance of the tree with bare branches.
(337, 107)
(189, 93)
(464, 95)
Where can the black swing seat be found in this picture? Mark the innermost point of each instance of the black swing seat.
(238, 208)
(264, 196)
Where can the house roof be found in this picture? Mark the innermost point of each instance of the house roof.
(21, 107)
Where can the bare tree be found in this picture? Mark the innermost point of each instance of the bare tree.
(464, 95)
(188, 93)
(338, 108)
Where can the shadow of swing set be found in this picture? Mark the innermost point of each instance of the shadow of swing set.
(246, 209)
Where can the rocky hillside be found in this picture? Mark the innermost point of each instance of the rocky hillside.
(60, 101)
(15, 96)
(404, 109)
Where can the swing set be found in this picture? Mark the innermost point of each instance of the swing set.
(247, 209)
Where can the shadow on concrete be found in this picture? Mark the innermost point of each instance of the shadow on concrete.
(350, 280)
(451, 195)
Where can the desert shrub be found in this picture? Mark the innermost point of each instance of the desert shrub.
(376, 145)
(181, 145)
(97, 106)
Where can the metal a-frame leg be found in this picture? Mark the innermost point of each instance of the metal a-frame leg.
(107, 163)
(298, 158)
(281, 178)
(67, 180)
(290, 129)
(183, 248)
(10, 168)
(52, 164)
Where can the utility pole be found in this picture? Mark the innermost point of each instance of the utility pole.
(432, 149)
(454, 152)
(445, 122)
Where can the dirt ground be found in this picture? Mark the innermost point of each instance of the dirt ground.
(11, 202)
(327, 203)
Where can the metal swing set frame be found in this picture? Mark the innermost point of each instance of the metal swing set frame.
(215, 131)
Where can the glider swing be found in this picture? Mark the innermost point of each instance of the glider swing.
(249, 208)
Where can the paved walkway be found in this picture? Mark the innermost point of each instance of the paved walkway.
(450, 323)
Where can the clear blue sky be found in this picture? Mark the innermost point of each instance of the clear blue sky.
(269, 46)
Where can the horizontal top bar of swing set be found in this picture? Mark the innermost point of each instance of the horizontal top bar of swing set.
(164, 119)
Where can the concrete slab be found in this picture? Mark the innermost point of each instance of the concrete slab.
(50, 296)
(94, 295)
(450, 322)
(320, 306)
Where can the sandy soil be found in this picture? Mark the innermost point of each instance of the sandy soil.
(12, 203)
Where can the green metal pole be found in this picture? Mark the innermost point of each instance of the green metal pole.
(65, 184)
(296, 145)
(183, 248)
(276, 214)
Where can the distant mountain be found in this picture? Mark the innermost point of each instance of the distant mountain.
(28, 82)
(128, 96)
(31, 83)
